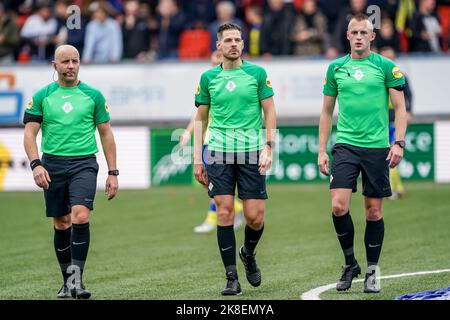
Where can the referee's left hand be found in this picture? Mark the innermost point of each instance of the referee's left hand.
(112, 186)
(265, 159)
(395, 155)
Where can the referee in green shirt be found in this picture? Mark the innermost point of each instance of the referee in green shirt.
(362, 81)
(69, 111)
(234, 94)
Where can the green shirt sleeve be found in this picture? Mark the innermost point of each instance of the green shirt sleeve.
(394, 77)
(101, 111)
(202, 96)
(34, 107)
(265, 89)
(329, 84)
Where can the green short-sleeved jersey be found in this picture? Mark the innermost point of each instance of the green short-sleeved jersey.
(361, 86)
(234, 98)
(69, 118)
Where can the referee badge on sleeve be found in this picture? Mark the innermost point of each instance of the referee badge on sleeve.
(396, 72)
(198, 90)
(30, 104)
(268, 83)
(106, 107)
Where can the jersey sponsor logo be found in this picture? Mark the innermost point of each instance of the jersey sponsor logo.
(30, 104)
(198, 90)
(231, 86)
(396, 72)
(268, 83)
(358, 75)
(67, 107)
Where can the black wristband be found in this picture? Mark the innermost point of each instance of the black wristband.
(35, 163)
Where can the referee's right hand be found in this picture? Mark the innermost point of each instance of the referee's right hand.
(41, 177)
(323, 161)
(200, 174)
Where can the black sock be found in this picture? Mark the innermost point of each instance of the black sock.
(373, 239)
(62, 246)
(345, 233)
(227, 245)
(80, 245)
(251, 239)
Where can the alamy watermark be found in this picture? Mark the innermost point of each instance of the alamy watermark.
(374, 14)
(74, 17)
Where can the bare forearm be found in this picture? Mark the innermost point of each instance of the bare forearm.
(29, 142)
(200, 126)
(324, 130)
(401, 116)
(400, 125)
(325, 123)
(271, 124)
(109, 149)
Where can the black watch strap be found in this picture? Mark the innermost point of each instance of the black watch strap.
(401, 143)
(113, 172)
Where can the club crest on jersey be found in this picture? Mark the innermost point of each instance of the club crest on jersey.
(397, 73)
(67, 107)
(358, 75)
(30, 104)
(231, 86)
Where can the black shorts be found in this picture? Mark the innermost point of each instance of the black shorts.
(349, 161)
(74, 182)
(225, 170)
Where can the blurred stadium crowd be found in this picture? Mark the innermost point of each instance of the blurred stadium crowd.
(145, 30)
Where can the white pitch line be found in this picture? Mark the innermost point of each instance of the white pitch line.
(314, 294)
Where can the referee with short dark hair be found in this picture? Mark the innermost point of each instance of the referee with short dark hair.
(69, 111)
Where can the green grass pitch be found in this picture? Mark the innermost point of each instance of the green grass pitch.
(143, 247)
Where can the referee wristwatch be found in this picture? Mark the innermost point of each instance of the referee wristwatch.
(113, 172)
(271, 144)
(400, 143)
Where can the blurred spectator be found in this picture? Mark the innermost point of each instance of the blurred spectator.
(443, 10)
(9, 36)
(387, 36)
(309, 33)
(103, 42)
(225, 12)
(39, 33)
(276, 29)
(331, 10)
(425, 28)
(199, 13)
(136, 33)
(171, 23)
(339, 42)
(254, 19)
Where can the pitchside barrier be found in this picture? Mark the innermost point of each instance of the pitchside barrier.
(152, 157)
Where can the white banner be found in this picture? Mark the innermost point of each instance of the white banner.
(132, 160)
(442, 151)
(165, 91)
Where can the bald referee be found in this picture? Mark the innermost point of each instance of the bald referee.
(69, 111)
